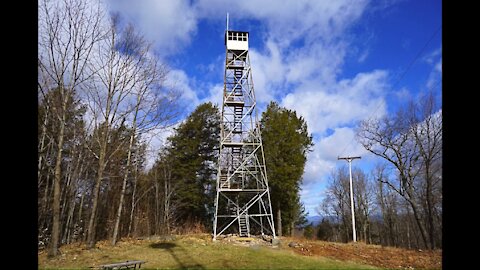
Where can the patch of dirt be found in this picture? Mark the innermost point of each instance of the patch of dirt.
(252, 241)
(386, 257)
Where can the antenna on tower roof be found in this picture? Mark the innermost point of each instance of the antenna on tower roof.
(227, 21)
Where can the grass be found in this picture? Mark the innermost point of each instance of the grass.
(189, 252)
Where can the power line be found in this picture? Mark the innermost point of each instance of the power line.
(417, 56)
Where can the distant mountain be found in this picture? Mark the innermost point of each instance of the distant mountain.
(333, 219)
(317, 219)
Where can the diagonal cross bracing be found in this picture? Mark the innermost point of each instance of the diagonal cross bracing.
(242, 192)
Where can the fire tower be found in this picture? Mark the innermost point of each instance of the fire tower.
(242, 203)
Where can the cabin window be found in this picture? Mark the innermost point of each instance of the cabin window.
(237, 36)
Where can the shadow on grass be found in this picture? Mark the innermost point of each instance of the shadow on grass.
(179, 254)
(167, 246)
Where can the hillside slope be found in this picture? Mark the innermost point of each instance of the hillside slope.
(200, 252)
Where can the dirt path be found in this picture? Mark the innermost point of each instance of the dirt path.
(386, 257)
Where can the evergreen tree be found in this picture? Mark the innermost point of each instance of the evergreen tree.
(309, 231)
(193, 152)
(59, 112)
(325, 230)
(286, 143)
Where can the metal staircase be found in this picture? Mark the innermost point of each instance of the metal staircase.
(244, 228)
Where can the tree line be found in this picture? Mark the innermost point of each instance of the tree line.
(398, 202)
(101, 94)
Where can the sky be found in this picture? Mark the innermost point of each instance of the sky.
(334, 62)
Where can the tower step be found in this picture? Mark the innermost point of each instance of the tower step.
(224, 183)
(243, 226)
(237, 118)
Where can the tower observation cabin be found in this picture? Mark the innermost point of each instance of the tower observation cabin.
(236, 40)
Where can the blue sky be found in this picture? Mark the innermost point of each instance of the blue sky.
(334, 62)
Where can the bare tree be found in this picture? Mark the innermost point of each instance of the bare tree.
(388, 203)
(153, 108)
(411, 142)
(427, 131)
(106, 94)
(68, 30)
(127, 88)
(164, 167)
(337, 200)
(364, 203)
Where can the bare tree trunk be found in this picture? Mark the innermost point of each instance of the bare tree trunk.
(166, 206)
(157, 203)
(365, 232)
(168, 190)
(431, 227)
(42, 142)
(69, 221)
(66, 191)
(81, 208)
(408, 235)
(369, 236)
(419, 223)
(56, 189)
(70, 217)
(46, 195)
(279, 220)
(132, 210)
(96, 192)
(122, 193)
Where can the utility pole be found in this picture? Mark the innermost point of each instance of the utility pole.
(349, 159)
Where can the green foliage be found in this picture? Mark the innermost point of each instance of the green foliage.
(308, 231)
(50, 112)
(193, 152)
(325, 230)
(286, 143)
(300, 214)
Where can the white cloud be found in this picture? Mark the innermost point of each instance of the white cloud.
(299, 64)
(318, 25)
(438, 66)
(316, 168)
(403, 94)
(363, 56)
(327, 149)
(267, 71)
(214, 95)
(310, 197)
(435, 75)
(290, 19)
(170, 24)
(336, 107)
(332, 106)
(433, 56)
(434, 59)
(155, 139)
(178, 80)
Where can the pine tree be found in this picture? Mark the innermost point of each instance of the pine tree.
(194, 151)
(286, 142)
(61, 133)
